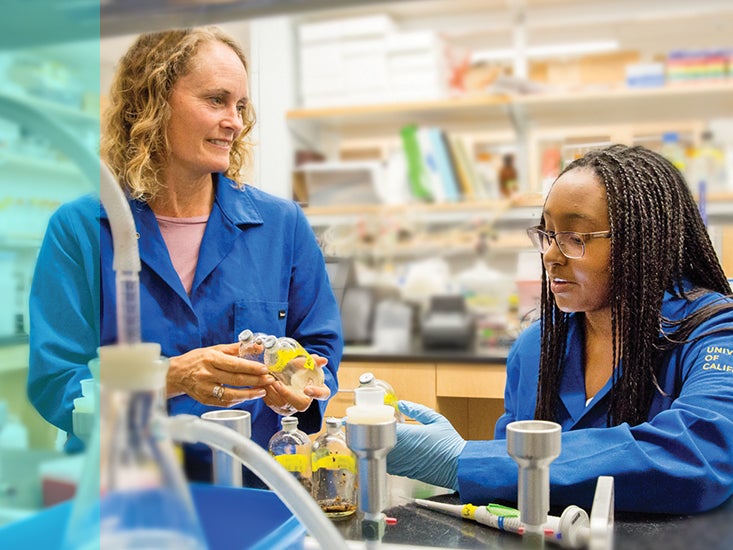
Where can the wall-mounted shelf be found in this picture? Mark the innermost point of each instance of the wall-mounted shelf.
(696, 101)
(433, 213)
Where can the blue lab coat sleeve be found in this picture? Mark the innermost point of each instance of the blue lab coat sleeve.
(679, 461)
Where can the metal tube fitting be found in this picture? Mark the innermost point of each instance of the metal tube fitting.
(533, 444)
(226, 470)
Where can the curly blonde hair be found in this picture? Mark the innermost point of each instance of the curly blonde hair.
(134, 141)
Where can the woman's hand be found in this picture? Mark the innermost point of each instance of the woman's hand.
(217, 376)
(285, 401)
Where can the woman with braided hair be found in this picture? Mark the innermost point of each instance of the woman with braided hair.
(632, 355)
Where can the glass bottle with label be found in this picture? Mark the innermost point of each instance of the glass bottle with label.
(292, 365)
(291, 447)
(252, 345)
(334, 472)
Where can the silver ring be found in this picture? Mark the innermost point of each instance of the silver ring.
(218, 392)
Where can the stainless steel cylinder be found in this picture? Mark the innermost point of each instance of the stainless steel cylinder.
(226, 470)
(533, 444)
(372, 443)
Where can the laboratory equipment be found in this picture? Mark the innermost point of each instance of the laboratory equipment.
(368, 379)
(571, 529)
(227, 471)
(292, 449)
(533, 444)
(371, 434)
(138, 499)
(447, 323)
(292, 365)
(334, 472)
(191, 429)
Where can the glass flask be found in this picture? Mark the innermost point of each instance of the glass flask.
(252, 345)
(133, 494)
(367, 380)
(292, 365)
(292, 449)
(334, 472)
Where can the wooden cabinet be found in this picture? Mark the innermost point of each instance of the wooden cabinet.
(411, 381)
(470, 395)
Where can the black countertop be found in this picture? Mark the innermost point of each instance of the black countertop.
(422, 527)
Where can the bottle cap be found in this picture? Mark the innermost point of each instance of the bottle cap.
(366, 379)
(245, 335)
(289, 422)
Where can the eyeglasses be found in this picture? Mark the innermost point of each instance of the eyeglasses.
(570, 243)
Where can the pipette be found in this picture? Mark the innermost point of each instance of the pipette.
(571, 529)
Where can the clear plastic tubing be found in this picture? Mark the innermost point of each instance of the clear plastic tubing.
(126, 257)
(191, 429)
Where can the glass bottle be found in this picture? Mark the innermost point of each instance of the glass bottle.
(252, 345)
(292, 449)
(133, 494)
(508, 184)
(367, 380)
(292, 365)
(334, 472)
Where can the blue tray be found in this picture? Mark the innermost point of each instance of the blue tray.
(232, 519)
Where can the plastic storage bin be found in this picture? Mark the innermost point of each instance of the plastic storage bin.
(233, 519)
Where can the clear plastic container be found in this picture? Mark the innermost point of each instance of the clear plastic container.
(368, 380)
(292, 449)
(334, 472)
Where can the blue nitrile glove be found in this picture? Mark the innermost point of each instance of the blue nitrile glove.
(427, 451)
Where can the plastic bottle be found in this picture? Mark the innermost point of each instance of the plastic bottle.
(292, 449)
(292, 365)
(133, 494)
(673, 151)
(707, 168)
(14, 435)
(334, 472)
(368, 379)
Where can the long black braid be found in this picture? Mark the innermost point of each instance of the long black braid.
(659, 241)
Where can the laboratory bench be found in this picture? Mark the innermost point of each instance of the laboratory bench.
(419, 526)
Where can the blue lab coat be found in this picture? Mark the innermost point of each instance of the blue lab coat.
(679, 461)
(259, 267)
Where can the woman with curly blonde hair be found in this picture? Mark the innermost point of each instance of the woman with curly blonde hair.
(218, 256)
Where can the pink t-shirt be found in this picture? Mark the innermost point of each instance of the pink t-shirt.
(183, 237)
